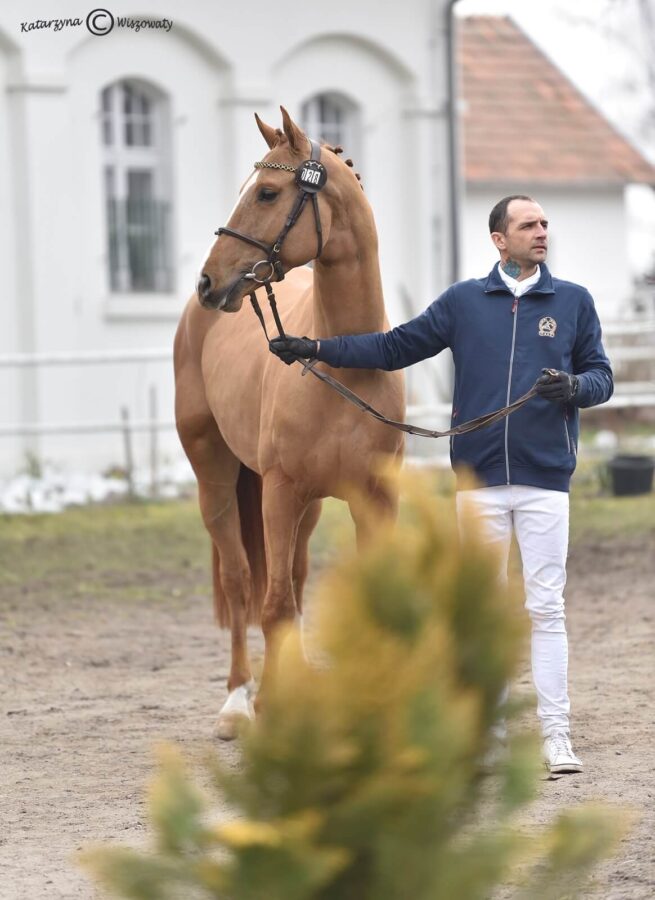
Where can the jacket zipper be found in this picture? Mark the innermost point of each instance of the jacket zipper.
(515, 314)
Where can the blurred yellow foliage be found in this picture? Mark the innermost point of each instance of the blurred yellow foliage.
(361, 779)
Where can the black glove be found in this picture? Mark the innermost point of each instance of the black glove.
(558, 386)
(289, 348)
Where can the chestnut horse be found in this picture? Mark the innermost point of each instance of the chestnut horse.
(266, 445)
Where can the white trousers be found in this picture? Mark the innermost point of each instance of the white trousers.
(540, 519)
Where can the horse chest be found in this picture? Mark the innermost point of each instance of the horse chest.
(329, 445)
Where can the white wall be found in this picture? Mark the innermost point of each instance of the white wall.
(15, 290)
(587, 238)
(380, 90)
(217, 66)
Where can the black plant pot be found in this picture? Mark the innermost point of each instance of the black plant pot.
(631, 475)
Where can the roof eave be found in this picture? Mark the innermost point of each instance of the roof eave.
(569, 184)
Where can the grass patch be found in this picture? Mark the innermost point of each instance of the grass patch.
(595, 513)
(598, 517)
(107, 549)
(127, 549)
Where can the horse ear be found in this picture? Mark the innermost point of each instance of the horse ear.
(270, 134)
(295, 135)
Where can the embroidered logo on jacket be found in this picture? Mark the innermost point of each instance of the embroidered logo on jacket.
(547, 327)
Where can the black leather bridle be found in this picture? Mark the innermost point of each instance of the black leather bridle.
(310, 178)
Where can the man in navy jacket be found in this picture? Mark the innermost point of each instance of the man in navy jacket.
(503, 330)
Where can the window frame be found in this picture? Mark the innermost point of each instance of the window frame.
(350, 139)
(119, 161)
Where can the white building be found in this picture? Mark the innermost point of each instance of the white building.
(121, 153)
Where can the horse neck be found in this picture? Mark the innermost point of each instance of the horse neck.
(347, 284)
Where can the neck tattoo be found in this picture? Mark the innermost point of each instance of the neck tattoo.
(512, 268)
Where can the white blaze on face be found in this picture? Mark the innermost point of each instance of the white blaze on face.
(250, 180)
(244, 187)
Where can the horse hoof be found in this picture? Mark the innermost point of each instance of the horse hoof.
(230, 725)
(237, 713)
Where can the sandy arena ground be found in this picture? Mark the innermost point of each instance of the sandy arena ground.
(89, 688)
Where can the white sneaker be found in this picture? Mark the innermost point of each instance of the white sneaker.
(558, 754)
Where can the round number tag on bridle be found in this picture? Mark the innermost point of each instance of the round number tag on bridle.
(311, 176)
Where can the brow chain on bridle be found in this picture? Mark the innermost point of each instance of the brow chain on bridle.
(283, 167)
(309, 365)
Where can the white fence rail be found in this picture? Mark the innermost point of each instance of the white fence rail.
(627, 394)
(83, 358)
(34, 429)
(628, 327)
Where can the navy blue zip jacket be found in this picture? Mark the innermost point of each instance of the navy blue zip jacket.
(500, 345)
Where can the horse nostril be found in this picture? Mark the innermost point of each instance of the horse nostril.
(204, 285)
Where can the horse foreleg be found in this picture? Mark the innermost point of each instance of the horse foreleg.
(300, 566)
(301, 556)
(282, 512)
(232, 578)
(217, 471)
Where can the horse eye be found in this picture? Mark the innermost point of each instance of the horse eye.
(266, 194)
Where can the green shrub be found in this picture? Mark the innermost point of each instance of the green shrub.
(361, 779)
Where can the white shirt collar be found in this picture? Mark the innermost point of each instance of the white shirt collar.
(518, 288)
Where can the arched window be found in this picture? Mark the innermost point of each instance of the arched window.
(333, 118)
(136, 150)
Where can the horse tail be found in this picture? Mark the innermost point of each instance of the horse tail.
(249, 495)
(249, 498)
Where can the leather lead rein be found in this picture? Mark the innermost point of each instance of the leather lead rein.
(356, 400)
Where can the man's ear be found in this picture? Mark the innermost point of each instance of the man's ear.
(499, 240)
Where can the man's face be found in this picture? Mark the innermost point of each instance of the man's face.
(526, 237)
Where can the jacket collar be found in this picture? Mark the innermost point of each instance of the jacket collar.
(495, 283)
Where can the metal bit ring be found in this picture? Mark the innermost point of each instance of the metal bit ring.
(253, 275)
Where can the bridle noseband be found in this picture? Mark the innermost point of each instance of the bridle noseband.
(311, 176)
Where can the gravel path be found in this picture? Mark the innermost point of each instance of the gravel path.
(89, 688)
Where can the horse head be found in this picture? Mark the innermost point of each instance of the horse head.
(261, 212)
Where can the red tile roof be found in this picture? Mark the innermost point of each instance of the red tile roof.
(523, 120)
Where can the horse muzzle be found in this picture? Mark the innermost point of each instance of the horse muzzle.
(228, 299)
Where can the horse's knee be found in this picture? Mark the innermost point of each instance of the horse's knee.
(279, 606)
(213, 510)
